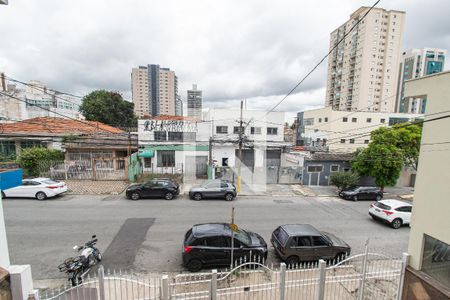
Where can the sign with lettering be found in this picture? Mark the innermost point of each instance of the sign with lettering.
(170, 125)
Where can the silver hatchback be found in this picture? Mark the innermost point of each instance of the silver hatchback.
(219, 189)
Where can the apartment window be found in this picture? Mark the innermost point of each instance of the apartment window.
(366, 141)
(436, 260)
(175, 136)
(221, 129)
(255, 130)
(309, 121)
(342, 141)
(352, 141)
(166, 158)
(369, 120)
(272, 130)
(320, 120)
(334, 168)
(160, 136)
(382, 120)
(7, 148)
(344, 119)
(326, 120)
(147, 162)
(30, 144)
(312, 169)
(236, 129)
(354, 120)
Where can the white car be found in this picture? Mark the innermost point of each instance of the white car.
(394, 212)
(39, 188)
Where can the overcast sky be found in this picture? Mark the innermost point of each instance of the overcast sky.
(231, 49)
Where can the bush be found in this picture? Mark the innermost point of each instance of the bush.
(343, 180)
(30, 159)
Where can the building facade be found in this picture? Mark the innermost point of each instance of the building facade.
(154, 90)
(429, 239)
(36, 100)
(417, 63)
(363, 68)
(328, 129)
(194, 103)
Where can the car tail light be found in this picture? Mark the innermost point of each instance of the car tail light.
(187, 249)
(387, 212)
(371, 205)
(53, 187)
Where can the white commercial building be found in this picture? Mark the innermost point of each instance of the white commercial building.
(36, 100)
(363, 68)
(324, 128)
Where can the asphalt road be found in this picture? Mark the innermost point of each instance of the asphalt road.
(147, 235)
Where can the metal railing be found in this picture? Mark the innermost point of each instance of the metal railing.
(363, 276)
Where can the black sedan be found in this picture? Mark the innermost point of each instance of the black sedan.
(210, 245)
(156, 188)
(362, 193)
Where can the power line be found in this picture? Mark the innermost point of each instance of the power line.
(323, 59)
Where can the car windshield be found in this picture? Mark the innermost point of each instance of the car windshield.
(353, 189)
(243, 237)
(382, 205)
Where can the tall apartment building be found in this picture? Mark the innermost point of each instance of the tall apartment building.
(363, 69)
(154, 90)
(194, 102)
(417, 63)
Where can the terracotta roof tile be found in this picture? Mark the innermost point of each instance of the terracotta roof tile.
(57, 126)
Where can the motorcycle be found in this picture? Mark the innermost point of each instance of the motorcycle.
(77, 267)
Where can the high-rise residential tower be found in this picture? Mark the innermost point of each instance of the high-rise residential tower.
(154, 90)
(194, 102)
(417, 63)
(363, 69)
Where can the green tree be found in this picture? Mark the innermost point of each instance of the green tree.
(343, 180)
(33, 159)
(382, 162)
(109, 108)
(405, 138)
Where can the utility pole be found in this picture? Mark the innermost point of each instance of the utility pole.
(241, 137)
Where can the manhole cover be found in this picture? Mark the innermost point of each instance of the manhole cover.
(283, 201)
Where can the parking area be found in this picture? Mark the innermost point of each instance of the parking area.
(146, 235)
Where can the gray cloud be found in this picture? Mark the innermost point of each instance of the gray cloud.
(232, 49)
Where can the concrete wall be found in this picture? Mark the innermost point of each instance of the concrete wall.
(322, 178)
(431, 208)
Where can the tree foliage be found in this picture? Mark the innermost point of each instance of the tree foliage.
(404, 138)
(382, 162)
(109, 108)
(31, 158)
(343, 180)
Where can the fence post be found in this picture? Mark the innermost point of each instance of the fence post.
(282, 280)
(321, 293)
(213, 287)
(165, 287)
(364, 271)
(101, 282)
(405, 262)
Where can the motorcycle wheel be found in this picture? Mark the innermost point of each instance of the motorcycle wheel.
(75, 280)
(98, 256)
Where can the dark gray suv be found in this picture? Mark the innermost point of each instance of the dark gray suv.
(302, 242)
(219, 189)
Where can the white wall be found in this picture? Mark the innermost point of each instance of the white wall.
(223, 151)
(4, 254)
(431, 206)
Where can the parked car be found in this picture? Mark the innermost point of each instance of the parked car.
(39, 188)
(394, 212)
(210, 245)
(302, 242)
(155, 188)
(362, 193)
(221, 189)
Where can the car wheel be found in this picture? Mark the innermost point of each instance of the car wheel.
(41, 196)
(168, 196)
(194, 265)
(396, 223)
(355, 198)
(378, 198)
(292, 260)
(229, 196)
(3, 195)
(135, 196)
(197, 196)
